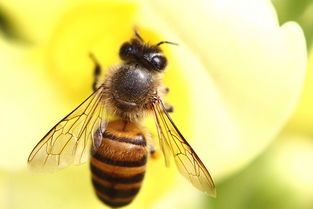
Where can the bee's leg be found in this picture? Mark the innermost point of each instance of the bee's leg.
(166, 90)
(154, 153)
(96, 72)
(168, 107)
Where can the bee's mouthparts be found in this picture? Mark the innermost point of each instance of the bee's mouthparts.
(124, 104)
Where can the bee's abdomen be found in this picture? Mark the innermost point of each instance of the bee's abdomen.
(118, 166)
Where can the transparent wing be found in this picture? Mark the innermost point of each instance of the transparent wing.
(173, 143)
(68, 142)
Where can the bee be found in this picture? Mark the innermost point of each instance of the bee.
(107, 126)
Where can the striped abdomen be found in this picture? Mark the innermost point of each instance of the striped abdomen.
(118, 165)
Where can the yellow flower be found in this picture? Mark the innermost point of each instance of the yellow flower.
(234, 79)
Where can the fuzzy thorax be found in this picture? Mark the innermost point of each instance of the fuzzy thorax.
(130, 90)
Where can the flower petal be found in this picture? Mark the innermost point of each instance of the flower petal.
(85, 29)
(35, 18)
(302, 119)
(25, 104)
(245, 75)
(69, 188)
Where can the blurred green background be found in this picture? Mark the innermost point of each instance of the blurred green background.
(299, 11)
(282, 176)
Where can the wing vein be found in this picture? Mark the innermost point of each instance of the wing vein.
(66, 143)
(187, 161)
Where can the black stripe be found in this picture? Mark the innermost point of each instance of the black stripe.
(112, 203)
(112, 192)
(122, 163)
(116, 179)
(141, 140)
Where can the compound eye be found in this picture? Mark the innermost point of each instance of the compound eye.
(158, 62)
(127, 51)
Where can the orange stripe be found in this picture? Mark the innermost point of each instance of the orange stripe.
(120, 151)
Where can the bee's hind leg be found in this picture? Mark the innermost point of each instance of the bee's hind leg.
(153, 151)
(96, 72)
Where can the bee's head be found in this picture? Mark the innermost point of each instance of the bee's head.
(150, 57)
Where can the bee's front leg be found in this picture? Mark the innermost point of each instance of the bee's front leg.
(168, 107)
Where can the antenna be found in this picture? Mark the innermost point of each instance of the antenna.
(137, 34)
(166, 42)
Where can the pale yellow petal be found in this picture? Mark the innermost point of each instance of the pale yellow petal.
(245, 74)
(302, 119)
(25, 105)
(69, 188)
(35, 19)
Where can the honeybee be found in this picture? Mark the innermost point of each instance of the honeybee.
(108, 126)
